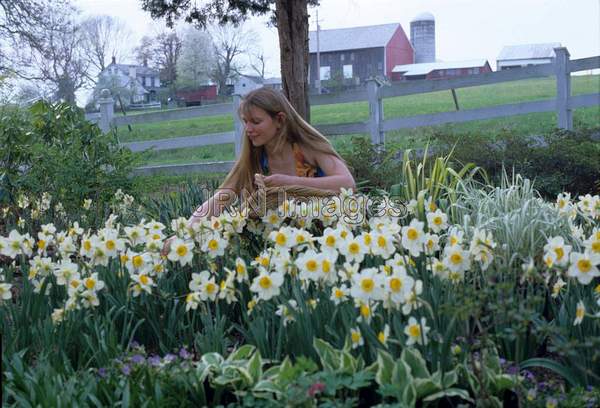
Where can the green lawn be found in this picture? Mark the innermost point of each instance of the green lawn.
(468, 98)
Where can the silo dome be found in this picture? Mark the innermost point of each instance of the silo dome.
(425, 16)
(422, 38)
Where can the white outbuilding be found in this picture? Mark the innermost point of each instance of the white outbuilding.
(522, 55)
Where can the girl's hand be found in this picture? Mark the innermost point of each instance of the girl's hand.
(278, 180)
(167, 246)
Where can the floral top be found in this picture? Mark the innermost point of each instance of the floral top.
(303, 168)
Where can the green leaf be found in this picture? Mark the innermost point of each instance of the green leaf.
(409, 396)
(347, 362)
(385, 367)
(418, 366)
(450, 378)
(450, 392)
(267, 386)
(425, 386)
(214, 359)
(255, 367)
(504, 382)
(558, 368)
(327, 354)
(242, 353)
(491, 359)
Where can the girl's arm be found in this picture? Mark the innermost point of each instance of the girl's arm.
(213, 206)
(337, 176)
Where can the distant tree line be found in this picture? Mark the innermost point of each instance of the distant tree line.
(49, 49)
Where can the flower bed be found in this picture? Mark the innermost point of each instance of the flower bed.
(404, 305)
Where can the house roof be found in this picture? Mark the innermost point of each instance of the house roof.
(426, 68)
(527, 51)
(353, 38)
(139, 69)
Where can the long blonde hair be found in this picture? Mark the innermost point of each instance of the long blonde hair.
(294, 130)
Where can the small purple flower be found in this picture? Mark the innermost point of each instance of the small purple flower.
(154, 361)
(126, 369)
(138, 359)
(512, 370)
(589, 388)
(502, 361)
(169, 358)
(183, 353)
(102, 373)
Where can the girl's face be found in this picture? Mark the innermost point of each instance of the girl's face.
(261, 128)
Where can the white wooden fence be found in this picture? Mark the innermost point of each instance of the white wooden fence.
(377, 125)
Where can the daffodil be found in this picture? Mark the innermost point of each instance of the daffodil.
(282, 238)
(557, 250)
(330, 240)
(416, 332)
(356, 338)
(93, 283)
(384, 334)
(353, 249)
(437, 221)
(592, 246)
(181, 251)
(143, 283)
(383, 245)
(339, 294)
(192, 300)
(286, 312)
(579, 313)
(204, 283)
(367, 285)
(241, 270)
(267, 285)
(308, 264)
(456, 259)
(413, 237)
(5, 291)
(214, 245)
(582, 267)
(65, 271)
(398, 287)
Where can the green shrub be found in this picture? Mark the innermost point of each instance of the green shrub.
(52, 149)
(372, 166)
(558, 161)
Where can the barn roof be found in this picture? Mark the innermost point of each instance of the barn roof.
(426, 68)
(527, 51)
(352, 38)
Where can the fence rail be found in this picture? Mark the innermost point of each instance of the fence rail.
(374, 94)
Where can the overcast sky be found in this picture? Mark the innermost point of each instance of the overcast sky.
(465, 29)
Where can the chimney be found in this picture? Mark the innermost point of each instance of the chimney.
(114, 59)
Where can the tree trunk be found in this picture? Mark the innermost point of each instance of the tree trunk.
(292, 27)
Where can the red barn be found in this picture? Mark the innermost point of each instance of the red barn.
(194, 97)
(351, 55)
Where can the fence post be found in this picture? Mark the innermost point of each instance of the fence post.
(106, 103)
(563, 88)
(375, 113)
(237, 124)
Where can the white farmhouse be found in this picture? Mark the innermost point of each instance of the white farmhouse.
(138, 84)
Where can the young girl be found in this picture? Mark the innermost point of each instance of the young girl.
(282, 149)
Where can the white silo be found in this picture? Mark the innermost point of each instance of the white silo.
(422, 37)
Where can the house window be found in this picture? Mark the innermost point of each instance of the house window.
(148, 81)
(342, 57)
(156, 83)
(348, 71)
(325, 73)
(380, 66)
(351, 56)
